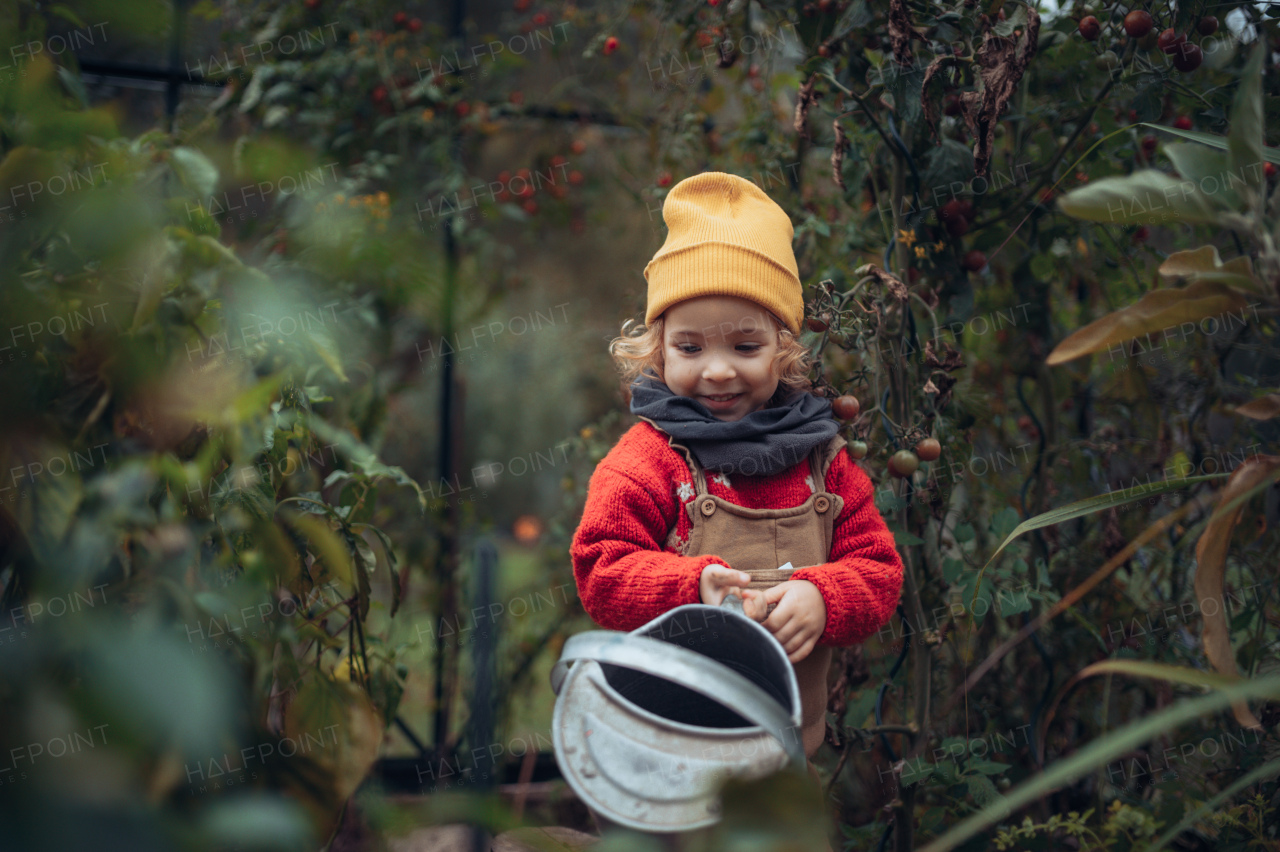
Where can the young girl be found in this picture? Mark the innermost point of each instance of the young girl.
(734, 469)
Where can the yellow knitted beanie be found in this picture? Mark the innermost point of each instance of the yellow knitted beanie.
(725, 237)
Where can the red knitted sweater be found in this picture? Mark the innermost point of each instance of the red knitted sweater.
(626, 558)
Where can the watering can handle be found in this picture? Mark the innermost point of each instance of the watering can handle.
(688, 669)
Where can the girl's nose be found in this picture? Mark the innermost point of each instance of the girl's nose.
(718, 369)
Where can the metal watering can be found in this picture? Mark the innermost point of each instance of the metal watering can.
(647, 724)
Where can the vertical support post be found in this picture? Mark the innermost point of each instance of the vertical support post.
(173, 86)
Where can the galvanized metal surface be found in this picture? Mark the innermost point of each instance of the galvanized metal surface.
(648, 724)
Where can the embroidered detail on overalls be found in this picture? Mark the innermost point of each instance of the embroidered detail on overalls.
(722, 479)
(684, 490)
(808, 480)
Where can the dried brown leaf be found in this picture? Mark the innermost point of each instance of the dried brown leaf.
(901, 32)
(1211, 563)
(930, 114)
(951, 358)
(1156, 311)
(837, 154)
(804, 100)
(1262, 408)
(889, 280)
(1002, 61)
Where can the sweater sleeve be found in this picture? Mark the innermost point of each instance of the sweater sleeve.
(625, 578)
(861, 585)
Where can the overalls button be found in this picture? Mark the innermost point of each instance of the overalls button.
(821, 504)
(708, 507)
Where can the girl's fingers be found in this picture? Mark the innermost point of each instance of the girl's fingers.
(729, 577)
(802, 652)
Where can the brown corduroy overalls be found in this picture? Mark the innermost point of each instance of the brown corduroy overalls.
(757, 541)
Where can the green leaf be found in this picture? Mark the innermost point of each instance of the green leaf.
(1197, 162)
(1267, 770)
(904, 538)
(983, 791)
(364, 458)
(1042, 266)
(1244, 144)
(390, 551)
(1004, 522)
(327, 546)
(950, 162)
(1146, 197)
(914, 773)
(258, 822)
(68, 14)
(1271, 155)
(986, 767)
(856, 16)
(952, 569)
(1096, 504)
(1100, 752)
(860, 708)
(155, 691)
(50, 502)
(964, 533)
(196, 171)
(1016, 20)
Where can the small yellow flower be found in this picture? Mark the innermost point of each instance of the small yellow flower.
(920, 251)
(384, 199)
(939, 245)
(339, 198)
(906, 237)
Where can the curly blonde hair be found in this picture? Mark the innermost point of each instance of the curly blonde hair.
(639, 352)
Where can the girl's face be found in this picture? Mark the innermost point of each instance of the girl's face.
(719, 350)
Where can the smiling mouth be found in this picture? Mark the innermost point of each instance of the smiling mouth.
(721, 397)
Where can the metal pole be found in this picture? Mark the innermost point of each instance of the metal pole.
(173, 86)
(482, 690)
(445, 573)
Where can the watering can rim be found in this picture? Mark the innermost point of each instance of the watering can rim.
(597, 676)
(612, 813)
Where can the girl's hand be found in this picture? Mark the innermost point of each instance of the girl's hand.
(717, 581)
(799, 618)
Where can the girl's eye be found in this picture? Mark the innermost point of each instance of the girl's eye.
(687, 347)
(749, 347)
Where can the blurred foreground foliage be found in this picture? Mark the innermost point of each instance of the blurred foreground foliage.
(203, 552)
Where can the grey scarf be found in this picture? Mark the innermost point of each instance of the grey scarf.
(764, 442)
